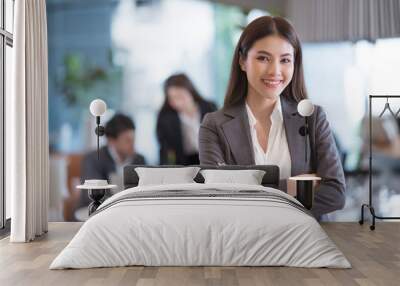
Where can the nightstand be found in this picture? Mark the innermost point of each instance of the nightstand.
(96, 191)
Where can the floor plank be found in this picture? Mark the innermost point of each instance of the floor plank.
(375, 257)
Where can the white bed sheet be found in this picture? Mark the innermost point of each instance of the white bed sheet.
(200, 231)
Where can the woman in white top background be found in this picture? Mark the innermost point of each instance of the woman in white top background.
(259, 123)
(179, 120)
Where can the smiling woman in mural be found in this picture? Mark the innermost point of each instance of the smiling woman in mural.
(258, 124)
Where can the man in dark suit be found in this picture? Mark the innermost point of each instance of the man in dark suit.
(119, 152)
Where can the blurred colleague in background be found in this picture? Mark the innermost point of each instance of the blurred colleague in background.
(179, 121)
(119, 152)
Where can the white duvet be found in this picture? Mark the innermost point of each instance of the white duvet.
(185, 231)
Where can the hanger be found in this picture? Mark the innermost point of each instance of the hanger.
(387, 106)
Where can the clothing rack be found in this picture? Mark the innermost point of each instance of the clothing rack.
(370, 204)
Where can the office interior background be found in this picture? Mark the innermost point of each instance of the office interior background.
(122, 51)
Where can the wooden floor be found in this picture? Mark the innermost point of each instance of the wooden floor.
(374, 255)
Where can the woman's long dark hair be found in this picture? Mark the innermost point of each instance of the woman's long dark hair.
(258, 29)
(183, 81)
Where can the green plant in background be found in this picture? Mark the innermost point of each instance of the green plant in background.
(229, 21)
(82, 81)
(78, 79)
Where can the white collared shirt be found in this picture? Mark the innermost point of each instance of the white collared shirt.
(119, 165)
(116, 178)
(277, 149)
(190, 132)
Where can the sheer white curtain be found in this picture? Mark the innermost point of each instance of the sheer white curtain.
(27, 124)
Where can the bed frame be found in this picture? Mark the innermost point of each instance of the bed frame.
(270, 179)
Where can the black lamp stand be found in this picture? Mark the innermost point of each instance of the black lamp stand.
(99, 132)
(305, 133)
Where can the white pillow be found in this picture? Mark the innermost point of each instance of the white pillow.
(248, 177)
(163, 176)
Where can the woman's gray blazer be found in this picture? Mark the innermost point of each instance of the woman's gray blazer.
(225, 138)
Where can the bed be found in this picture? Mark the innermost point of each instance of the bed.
(201, 224)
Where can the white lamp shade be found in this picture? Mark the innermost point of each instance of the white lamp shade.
(305, 107)
(98, 107)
